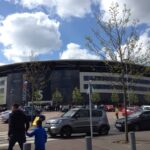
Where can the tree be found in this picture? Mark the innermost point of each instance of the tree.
(57, 97)
(133, 98)
(35, 74)
(76, 96)
(96, 98)
(147, 97)
(115, 98)
(116, 39)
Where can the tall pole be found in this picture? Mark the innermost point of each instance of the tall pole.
(90, 108)
(125, 100)
(127, 83)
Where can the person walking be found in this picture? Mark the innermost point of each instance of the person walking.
(18, 125)
(40, 136)
(117, 112)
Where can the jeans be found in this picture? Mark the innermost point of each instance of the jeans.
(16, 138)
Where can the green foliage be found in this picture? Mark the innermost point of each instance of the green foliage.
(147, 97)
(115, 98)
(57, 97)
(133, 98)
(96, 98)
(76, 96)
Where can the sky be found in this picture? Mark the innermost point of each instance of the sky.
(56, 29)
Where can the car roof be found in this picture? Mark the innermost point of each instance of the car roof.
(85, 109)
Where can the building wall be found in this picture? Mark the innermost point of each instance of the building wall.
(14, 88)
(68, 75)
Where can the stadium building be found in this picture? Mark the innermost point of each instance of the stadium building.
(65, 76)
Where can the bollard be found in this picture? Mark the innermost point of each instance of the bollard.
(88, 143)
(27, 146)
(132, 141)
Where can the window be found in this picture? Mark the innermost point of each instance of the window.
(96, 113)
(2, 82)
(83, 113)
(146, 114)
(1, 90)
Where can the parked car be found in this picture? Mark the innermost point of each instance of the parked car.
(145, 107)
(65, 108)
(5, 116)
(77, 120)
(27, 110)
(139, 120)
(130, 110)
(109, 107)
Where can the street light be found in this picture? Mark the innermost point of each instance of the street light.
(90, 108)
(125, 97)
(89, 139)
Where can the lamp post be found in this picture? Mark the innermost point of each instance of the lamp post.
(125, 89)
(90, 108)
(89, 139)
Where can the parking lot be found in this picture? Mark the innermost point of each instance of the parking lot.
(114, 141)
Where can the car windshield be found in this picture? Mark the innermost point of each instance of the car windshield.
(69, 113)
(136, 114)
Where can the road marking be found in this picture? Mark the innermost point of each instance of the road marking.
(6, 144)
(4, 139)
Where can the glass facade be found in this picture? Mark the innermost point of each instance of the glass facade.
(65, 76)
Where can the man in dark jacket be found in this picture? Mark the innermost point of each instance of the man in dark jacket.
(18, 125)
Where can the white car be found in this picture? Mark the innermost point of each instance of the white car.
(5, 116)
(145, 107)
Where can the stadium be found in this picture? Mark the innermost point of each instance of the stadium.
(68, 74)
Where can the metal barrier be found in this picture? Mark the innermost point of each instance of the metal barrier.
(132, 140)
(27, 146)
(88, 143)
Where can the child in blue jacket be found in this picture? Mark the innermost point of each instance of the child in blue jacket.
(40, 136)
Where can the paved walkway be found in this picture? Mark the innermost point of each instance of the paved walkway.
(110, 142)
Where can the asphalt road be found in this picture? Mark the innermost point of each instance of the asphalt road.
(114, 141)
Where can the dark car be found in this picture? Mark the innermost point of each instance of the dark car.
(139, 120)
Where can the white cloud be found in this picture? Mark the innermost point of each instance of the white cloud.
(142, 52)
(2, 64)
(79, 8)
(35, 3)
(139, 10)
(63, 8)
(76, 8)
(74, 51)
(26, 32)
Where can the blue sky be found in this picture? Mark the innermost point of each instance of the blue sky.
(56, 29)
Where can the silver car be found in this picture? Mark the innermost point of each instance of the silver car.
(77, 120)
(5, 116)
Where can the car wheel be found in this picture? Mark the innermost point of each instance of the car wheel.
(103, 130)
(66, 131)
(51, 134)
(136, 127)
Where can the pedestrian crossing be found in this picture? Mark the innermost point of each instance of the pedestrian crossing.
(4, 139)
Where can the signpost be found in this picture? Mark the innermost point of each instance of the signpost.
(89, 139)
